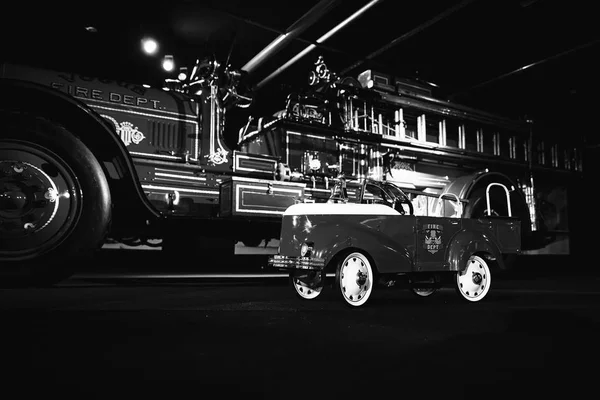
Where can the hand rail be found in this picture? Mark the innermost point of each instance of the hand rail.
(452, 197)
(487, 197)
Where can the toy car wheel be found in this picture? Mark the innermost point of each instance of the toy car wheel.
(354, 279)
(473, 283)
(308, 285)
(422, 291)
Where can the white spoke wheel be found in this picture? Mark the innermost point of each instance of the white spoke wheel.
(308, 285)
(354, 279)
(473, 283)
(422, 291)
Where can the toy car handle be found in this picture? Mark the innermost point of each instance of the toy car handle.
(456, 203)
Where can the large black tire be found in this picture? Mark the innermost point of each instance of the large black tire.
(56, 204)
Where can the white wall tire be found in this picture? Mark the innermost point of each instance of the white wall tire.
(307, 285)
(473, 283)
(355, 279)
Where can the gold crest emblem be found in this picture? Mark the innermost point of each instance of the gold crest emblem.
(127, 131)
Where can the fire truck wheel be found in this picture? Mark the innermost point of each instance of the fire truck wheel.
(46, 223)
(473, 283)
(308, 285)
(354, 279)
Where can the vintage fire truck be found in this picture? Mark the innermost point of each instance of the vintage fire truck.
(380, 240)
(83, 159)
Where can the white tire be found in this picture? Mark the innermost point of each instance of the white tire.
(308, 285)
(473, 283)
(355, 279)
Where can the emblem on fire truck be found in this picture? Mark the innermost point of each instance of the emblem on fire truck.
(127, 131)
(433, 237)
(218, 157)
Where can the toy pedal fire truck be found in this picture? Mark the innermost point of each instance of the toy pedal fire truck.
(378, 239)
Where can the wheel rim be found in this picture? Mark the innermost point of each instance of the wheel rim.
(356, 279)
(474, 282)
(307, 286)
(423, 292)
(39, 200)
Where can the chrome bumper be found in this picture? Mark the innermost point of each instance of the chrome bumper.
(285, 262)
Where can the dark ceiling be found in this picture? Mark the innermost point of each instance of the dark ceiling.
(471, 49)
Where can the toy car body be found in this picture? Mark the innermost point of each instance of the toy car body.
(363, 242)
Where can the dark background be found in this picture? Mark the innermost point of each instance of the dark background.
(477, 41)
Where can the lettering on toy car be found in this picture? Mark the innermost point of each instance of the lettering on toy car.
(433, 237)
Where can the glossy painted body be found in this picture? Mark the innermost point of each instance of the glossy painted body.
(396, 243)
(99, 92)
(137, 133)
(164, 141)
(137, 113)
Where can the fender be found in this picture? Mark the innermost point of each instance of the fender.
(385, 252)
(465, 243)
(97, 134)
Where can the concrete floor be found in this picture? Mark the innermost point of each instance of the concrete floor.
(126, 337)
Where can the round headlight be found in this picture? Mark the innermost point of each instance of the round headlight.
(304, 249)
(315, 163)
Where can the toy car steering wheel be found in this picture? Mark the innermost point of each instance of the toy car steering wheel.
(397, 205)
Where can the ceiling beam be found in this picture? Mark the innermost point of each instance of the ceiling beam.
(319, 46)
(280, 32)
(528, 66)
(297, 28)
(408, 34)
(527, 3)
(322, 39)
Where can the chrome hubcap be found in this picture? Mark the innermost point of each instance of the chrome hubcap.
(474, 281)
(38, 200)
(354, 279)
(477, 278)
(28, 197)
(308, 286)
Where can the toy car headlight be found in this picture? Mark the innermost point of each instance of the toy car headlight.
(305, 250)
